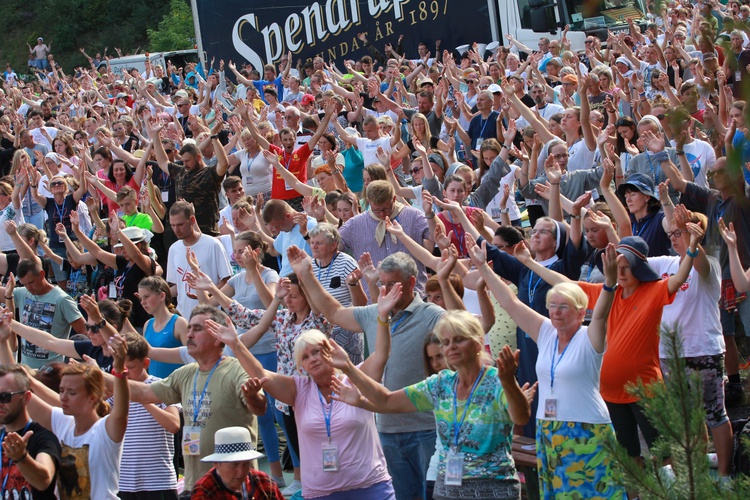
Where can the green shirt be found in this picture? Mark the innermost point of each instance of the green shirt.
(138, 219)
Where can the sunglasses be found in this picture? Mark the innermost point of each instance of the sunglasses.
(416, 170)
(168, 151)
(661, 116)
(470, 82)
(93, 328)
(5, 397)
(55, 184)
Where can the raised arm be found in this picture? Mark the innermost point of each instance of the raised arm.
(598, 327)
(320, 299)
(374, 365)
(117, 420)
(289, 178)
(740, 277)
(677, 279)
(526, 318)
(279, 386)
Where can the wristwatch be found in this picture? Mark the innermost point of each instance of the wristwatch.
(504, 210)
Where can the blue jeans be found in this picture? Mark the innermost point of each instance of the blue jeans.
(408, 455)
(266, 422)
(292, 452)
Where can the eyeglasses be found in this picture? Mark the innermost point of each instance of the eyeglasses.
(169, 151)
(416, 170)
(93, 328)
(485, 86)
(5, 397)
(563, 308)
(541, 231)
(181, 105)
(55, 184)
(589, 41)
(674, 234)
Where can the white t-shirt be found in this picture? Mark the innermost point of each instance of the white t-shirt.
(246, 294)
(493, 207)
(369, 149)
(9, 213)
(226, 214)
(40, 138)
(387, 112)
(576, 377)
(213, 261)
(701, 157)
(95, 455)
(580, 158)
(256, 172)
(695, 309)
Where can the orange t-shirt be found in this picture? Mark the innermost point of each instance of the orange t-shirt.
(632, 337)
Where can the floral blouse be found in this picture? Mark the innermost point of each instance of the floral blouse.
(286, 333)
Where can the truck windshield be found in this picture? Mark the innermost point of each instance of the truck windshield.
(589, 15)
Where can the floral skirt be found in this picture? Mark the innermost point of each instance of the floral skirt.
(573, 462)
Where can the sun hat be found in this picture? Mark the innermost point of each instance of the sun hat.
(232, 444)
(642, 182)
(136, 235)
(635, 250)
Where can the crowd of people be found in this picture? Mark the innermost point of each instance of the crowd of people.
(491, 243)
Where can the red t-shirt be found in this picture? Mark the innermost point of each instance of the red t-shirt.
(632, 337)
(459, 235)
(106, 202)
(296, 163)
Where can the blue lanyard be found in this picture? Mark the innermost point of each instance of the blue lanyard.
(10, 460)
(60, 210)
(457, 424)
(197, 405)
(330, 265)
(400, 320)
(120, 280)
(484, 125)
(532, 291)
(459, 233)
(641, 228)
(326, 415)
(655, 172)
(554, 365)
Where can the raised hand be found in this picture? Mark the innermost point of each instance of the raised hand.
(387, 301)
(334, 354)
(283, 288)
(226, 334)
(609, 263)
(90, 305)
(393, 227)
(728, 233)
(253, 387)
(522, 252)
(448, 260)
(199, 281)
(118, 348)
(507, 364)
(10, 227)
(696, 233)
(477, 254)
(369, 271)
(299, 260)
(192, 260)
(346, 393)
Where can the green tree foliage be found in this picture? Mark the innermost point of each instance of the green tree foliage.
(176, 31)
(72, 24)
(676, 410)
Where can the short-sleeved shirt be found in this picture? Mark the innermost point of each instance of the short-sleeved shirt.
(6, 214)
(57, 213)
(127, 278)
(296, 164)
(256, 172)
(223, 406)
(14, 483)
(485, 437)
(95, 352)
(201, 187)
(409, 328)
(90, 462)
(369, 148)
(144, 221)
(482, 128)
(285, 239)
(246, 294)
(361, 460)
(632, 337)
(53, 313)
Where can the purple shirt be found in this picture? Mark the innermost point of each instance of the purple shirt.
(358, 236)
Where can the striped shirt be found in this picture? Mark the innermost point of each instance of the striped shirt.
(147, 452)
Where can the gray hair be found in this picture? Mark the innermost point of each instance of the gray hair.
(213, 312)
(329, 231)
(401, 263)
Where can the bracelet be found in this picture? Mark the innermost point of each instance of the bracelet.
(691, 254)
(554, 183)
(24, 457)
(306, 237)
(619, 176)
(505, 146)
(33, 185)
(576, 217)
(666, 203)
(430, 217)
(679, 152)
(8, 298)
(121, 375)
(214, 137)
(383, 323)
(353, 284)
(610, 289)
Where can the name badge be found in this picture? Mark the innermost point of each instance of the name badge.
(330, 457)
(165, 196)
(454, 468)
(550, 408)
(112, 291)
(191, 440)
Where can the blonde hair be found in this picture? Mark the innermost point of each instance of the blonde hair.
(570, 292)
(306, 339)
(463, 324)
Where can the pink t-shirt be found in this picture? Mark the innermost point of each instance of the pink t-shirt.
(361, 459)
(111, 205)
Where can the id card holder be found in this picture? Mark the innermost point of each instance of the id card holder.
(454, 468)
(479, 143)
(330, 457)
(550, 408)
(191, 440)
(495, 213)
(737, 76)
(112, 290)
(165, 196)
